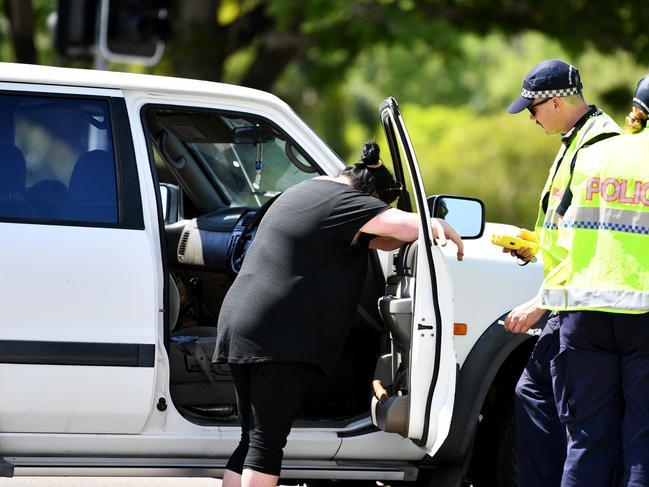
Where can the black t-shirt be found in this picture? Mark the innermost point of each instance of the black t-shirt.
(296, 295)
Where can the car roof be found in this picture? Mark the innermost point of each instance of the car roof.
(49, 75)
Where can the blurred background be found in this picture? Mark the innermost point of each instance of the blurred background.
(453, 65)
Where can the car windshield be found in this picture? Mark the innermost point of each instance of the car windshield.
(254, 164)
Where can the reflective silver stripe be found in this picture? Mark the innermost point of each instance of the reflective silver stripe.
(613, 219)
(551, 221)
(595, 299)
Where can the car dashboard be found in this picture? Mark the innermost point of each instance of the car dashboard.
(213, 241)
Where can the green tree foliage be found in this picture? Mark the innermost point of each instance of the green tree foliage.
(460, 153)
(455, 110)
(261, 38)
(324, 37)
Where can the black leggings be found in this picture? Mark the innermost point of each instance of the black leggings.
(268, 395)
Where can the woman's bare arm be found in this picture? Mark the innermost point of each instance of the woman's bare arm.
(395, 224)
(403, 226)
(386, 243)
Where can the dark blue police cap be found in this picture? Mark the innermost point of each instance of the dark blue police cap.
(641, 97)
(548, 79)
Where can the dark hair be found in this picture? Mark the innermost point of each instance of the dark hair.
(371, 176)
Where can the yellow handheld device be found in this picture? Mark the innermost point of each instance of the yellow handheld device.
(514, 243)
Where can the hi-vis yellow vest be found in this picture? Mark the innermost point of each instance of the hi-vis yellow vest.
(590, 129)
(605, 231)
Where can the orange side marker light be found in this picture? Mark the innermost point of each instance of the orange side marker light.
(459, 328)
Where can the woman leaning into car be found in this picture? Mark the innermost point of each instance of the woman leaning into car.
(287, 315)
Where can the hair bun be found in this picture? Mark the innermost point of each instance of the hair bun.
(370, 154)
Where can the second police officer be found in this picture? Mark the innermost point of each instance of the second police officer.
(552, 93)
(601, 290)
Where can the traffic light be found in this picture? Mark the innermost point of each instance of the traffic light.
(133, 30)
(116, 30)
(76, 24)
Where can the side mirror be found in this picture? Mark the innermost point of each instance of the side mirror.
(170, 199)
(466, 215)
(252, 134)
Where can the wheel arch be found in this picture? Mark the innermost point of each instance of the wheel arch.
(496, 357)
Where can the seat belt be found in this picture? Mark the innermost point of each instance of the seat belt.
(193, 348)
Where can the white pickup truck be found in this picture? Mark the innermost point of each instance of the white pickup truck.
(127, 203)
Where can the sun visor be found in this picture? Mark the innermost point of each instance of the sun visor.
(197, 127)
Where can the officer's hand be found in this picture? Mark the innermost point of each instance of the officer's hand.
(523, 317)
(524, 253)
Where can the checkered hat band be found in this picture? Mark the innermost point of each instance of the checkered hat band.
(549, 93)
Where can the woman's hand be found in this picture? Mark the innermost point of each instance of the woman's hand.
(443, 232)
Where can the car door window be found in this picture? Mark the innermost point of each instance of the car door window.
(56, 160)
(247, 159)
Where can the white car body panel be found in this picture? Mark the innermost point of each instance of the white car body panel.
(104, 285)
(75, 306)
(492, 278)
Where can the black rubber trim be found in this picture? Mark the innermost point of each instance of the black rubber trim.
(370, 428)
(77, 353)
(67, 223)
(474, 380)
(128, 186)
(403, 202)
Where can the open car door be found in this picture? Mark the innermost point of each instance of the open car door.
(418, 310)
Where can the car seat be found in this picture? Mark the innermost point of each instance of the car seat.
(92, 192)
(48, 198)
(195, 381)
(13, 175)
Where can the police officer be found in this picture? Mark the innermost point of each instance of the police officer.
(552, 93)
(601, 288)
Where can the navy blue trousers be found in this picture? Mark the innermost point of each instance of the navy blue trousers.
(601, 385)
(541, 436)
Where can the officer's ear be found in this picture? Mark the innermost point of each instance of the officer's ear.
(557, 103)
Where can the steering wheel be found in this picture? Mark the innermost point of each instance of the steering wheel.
(243, 234)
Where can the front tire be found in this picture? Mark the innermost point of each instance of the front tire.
(495, 454)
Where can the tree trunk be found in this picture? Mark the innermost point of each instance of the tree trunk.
(196, 50)
(274, 54)
(21, 18)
